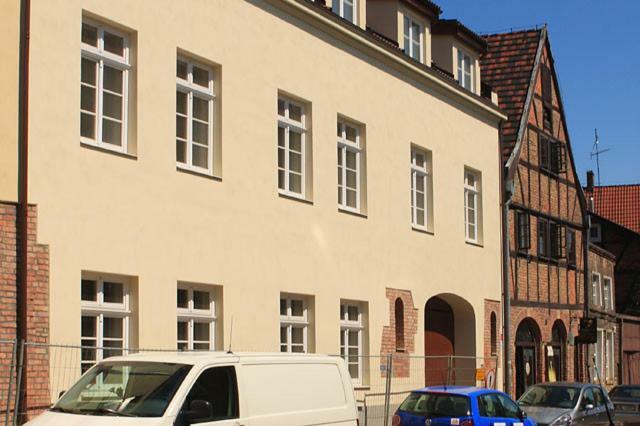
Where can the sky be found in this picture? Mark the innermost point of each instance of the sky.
(596, 49)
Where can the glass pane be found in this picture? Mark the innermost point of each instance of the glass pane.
(113, 79)
(112, 106)
(341, 342)
(419, 200)
(201, 300)
(200, 156)
(351, 133)
(201, 346)
(181, 102)
(419, 159)
(88, 71)
(471, 231)
(201, 109)
(295, 112)
(88, 98)
(353, 371)
(181, 151)
(89, 35)
(353, 340)
(347, 12)
(351, 160)
(201, 331)
(89, 290)
(351, 179)
(281, 107)
(200, 76)
(183, 330)
(420, 183)
(340, 195)
(297, 335)
(340, 176)
(340, 129)
(283, 306)
(283, 335)
(295, 141)
(471, 200)
(297, 349)
(181, 127)
(295, 162)
(353, 313)
(183, 298)
(182, 69)
(470, 180)
(200, 133)
(183, 346)
(113, 292)
(297, 308)
(281, 182)
(112, 328)
(471, 216)
(89, 326)
(295, 183)
(281, 133)
(343, 309)
(351, 198)
(113, 44)
(406, 27)
(88, 354)
(281, 157)
(420, 217)
(87, 126)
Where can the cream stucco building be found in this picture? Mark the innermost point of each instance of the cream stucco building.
(191, 184)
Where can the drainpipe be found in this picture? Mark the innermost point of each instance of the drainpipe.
(23, 203)
(585, 252)
(507, 192)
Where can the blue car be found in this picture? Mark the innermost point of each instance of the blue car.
(459, 406)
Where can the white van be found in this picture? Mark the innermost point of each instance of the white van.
(209, 388)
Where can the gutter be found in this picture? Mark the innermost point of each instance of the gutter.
(23, 200)
(395, 57)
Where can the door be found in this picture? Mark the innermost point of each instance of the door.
(496, 409)
(526, 370)
(438, 342)
(212, 399)
(587, 408)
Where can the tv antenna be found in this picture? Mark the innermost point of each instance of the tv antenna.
(229, 351)
(596, 151)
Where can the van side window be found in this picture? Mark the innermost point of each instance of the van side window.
(217, 390)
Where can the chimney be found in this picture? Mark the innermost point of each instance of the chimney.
(590, 181)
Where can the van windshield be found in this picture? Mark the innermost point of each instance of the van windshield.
(432, 405)
(132, 389)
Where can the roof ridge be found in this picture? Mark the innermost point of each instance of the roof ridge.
(513, 30)
(617, 185)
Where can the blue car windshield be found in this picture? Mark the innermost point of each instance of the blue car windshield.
(432, 405)
(550, 396)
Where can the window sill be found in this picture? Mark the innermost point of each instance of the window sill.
(352, 212)
(197, 173)
(359, 387)
(100, 148)
(474, 243)
(422, 230)
(294, 197)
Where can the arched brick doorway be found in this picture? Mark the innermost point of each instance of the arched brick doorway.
(527, 355)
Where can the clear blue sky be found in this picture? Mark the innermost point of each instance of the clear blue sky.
(596, 48)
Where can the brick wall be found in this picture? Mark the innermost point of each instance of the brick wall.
(388, 345)
(491, 359)
(36, 395)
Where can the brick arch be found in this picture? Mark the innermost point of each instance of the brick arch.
(410, 328)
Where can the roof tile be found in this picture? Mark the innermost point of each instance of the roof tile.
(618, 203)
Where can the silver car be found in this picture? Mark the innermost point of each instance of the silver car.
(626, 399)
(560, 404)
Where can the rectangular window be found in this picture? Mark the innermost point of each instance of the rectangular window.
(607, 291)
(349, 166)
(104, 86)
(523, 230)
(596, 290)
(472, 213)
(610, 354)
(557, 239)
(194, 116)
(104, 319)
(552, 155)
(547, 118)
(571, 247)
(413, 39)
(345, 9)
(196, 313)
(351, 338)
(465, 70)
(421, 197)
(595, 233)
(543, 238)
(546, 84)
(294, 324)
(292, 135)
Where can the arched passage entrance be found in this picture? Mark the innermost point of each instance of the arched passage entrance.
(556, 356)
(527, 344)
(449, 330)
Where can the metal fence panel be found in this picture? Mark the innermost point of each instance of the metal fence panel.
(8, 356)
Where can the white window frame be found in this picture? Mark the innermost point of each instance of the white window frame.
(338, 8)
(345, 145)
(101, 310)
(607, 292)
(192, 90)
(408, 37)
(475, 191)
(599, 353)
(288, 124)
(123, 63)
(464, 58)
(609, 350)
(290, 322)
(191, 315)
(596, 289)
(347, 326)
(419, 172)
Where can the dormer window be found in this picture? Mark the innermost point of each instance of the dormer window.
(345, 9)
(413, 39)
(465, 70)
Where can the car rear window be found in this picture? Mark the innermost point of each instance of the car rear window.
(430, 404)
(625, 392)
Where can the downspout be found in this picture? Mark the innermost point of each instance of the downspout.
(507, 192)
(585, 291)
(22, 219)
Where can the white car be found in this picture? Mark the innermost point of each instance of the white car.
(209, 388)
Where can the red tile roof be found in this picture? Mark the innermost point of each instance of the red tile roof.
(507, 68)
(618, 203)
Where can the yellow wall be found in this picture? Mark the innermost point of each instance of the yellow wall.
(9, 75)
(140, 217)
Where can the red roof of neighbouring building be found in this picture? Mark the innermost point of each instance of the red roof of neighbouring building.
(617, 203)
(507, 68)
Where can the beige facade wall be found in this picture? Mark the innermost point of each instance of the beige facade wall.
(138, 216)
(9, 75)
